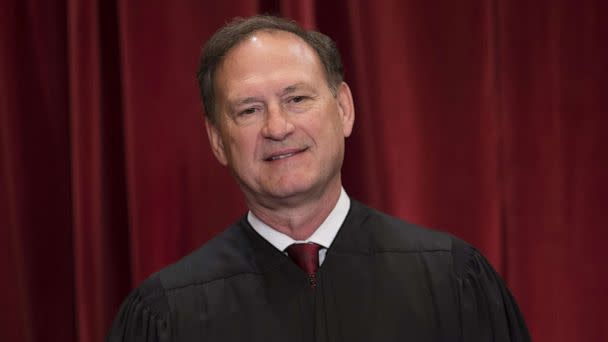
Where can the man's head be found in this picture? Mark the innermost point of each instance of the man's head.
(226, 38)
(279, 124)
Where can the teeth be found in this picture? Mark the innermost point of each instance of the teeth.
(282, 156)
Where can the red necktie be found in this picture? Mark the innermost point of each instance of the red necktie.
(306, 256)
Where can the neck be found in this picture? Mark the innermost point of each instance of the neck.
(300, 221)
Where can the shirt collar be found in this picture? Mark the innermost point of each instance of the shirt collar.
(324, 235)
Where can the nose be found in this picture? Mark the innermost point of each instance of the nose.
(277, 125)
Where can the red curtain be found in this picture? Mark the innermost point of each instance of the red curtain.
(482, 118)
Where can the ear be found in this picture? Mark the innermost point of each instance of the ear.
(216, 142)
(346, 108)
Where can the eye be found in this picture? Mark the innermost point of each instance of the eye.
(300, 103)
(248, 111)
(298, 99)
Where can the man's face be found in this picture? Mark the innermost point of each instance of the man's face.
(280, 129)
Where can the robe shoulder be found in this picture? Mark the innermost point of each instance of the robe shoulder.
(393, 234)
(386, 233)
(482, 306)
(145, 313)
(229, 254)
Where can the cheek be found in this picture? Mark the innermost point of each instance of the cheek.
(243, 148)
(331, 127)
(320, 122)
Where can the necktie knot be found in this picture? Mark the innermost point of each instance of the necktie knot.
(306, 256)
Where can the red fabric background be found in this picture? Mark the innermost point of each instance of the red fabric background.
(484, 118)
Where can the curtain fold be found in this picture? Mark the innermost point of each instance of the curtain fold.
(553, 84)
(485, 119)
(100, 220)
(35, 222)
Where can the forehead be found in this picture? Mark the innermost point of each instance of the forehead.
(268, 56)
(275, 42)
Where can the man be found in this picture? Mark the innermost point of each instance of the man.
(278, 112)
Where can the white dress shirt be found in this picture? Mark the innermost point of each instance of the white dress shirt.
(323, 236)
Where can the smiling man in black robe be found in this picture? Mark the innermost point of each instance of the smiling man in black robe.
(307, 263)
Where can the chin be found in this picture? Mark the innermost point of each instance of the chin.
(288, 191)
(290, 187)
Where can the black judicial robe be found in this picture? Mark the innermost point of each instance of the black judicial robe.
(382, 280)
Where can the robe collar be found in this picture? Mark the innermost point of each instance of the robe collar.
(324, 235)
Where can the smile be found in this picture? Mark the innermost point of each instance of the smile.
(284, 154)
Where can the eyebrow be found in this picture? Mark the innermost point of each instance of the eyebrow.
(292, 88)
(248, 100)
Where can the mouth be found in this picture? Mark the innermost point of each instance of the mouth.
(279, 155)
